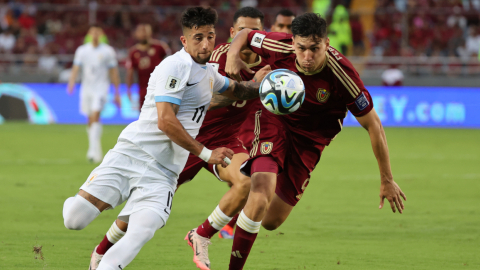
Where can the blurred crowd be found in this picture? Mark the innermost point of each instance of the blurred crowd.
(427, 28)
(42, 31)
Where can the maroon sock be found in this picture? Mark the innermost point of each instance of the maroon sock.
(233, 221)
(206, 230)
(104, 246)
(242, 244)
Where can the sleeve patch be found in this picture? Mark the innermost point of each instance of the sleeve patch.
(172, 83)
(362, 102)
(257, 40)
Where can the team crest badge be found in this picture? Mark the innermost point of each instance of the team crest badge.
(266, 148)
(322, 95)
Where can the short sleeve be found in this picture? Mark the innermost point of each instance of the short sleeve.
(270, 45)
(350, 86)
(112, 59)
(220, 83)
(77, 60)
(171, 79)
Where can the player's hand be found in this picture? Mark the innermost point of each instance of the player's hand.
(118, 100)
(70, 88)
(221, 156)
(234, 66)
(391, 191)
(259, 75)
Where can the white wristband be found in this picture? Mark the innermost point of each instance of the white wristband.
(205, 154)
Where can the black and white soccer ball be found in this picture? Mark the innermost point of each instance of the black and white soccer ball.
(282, 91)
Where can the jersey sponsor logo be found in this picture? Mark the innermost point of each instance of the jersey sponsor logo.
(91, 179)
(257, 40)
(322, 95)
(266, 148)
(173, 83)
(335, 53)
(362, 102)
(191, 84)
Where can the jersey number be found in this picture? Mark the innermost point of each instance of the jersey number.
(201, 109)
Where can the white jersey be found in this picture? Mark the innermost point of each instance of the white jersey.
(95, 63)
(178, 80)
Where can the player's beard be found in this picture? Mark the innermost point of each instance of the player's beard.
(203, 59)
(143, 41)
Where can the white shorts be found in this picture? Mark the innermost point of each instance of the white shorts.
(91, 102)
(120, 177)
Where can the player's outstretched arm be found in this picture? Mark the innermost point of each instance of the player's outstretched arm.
(234, 63)
(388, 188)
(171, 126)
(225, 99)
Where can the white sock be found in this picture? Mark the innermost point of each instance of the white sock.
(247, 224)
(141, 228)
(95, 137)
(114, 234)
(78, 213)
(218, 219)
(90, 142)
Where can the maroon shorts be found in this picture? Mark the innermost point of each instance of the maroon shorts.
(195, 164)
(295, 155)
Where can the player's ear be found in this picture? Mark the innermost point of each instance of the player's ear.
(327, 42)
(183, 39)
(232, 32)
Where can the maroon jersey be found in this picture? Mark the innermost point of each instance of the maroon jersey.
(329, 91)
(296, 141)
(145, 61)
(222, 125)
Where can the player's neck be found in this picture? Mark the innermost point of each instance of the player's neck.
(143, 46)
(95, 44)
(249, 57)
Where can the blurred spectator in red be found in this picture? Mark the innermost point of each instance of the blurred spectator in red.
(26, 20)
(7, 41)
(392, 76)
(357, 35)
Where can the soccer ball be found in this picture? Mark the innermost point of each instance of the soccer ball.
(282, 91)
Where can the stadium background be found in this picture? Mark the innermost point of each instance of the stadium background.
(435, 45)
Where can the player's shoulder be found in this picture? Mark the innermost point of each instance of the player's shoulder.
(180, 62)
(219, 54)
(83, 47)
(258, 37)
(338, 59)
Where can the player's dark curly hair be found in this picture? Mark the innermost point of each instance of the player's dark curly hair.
(198, 16)
(249, 12)
(285, 12)
(310, 25)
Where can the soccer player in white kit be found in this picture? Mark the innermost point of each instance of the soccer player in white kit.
(144, 165)
(98, 62)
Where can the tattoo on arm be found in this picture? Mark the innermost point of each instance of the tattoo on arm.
(246, 90)
(219, 101)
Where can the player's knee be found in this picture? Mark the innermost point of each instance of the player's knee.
(78, 213)
(242, 183)
(270, 226)
(264, 182)
(142, 236)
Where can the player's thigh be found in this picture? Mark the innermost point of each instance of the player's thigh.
(277, 213)
(98, 102)
(85, 103)
(232, 172)
(109, 182)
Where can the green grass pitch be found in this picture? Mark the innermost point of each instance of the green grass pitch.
(336, 225)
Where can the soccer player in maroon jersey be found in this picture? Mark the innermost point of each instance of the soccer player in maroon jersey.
(220, 127)
(292, 144)
(144, 57)
(283, 21)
